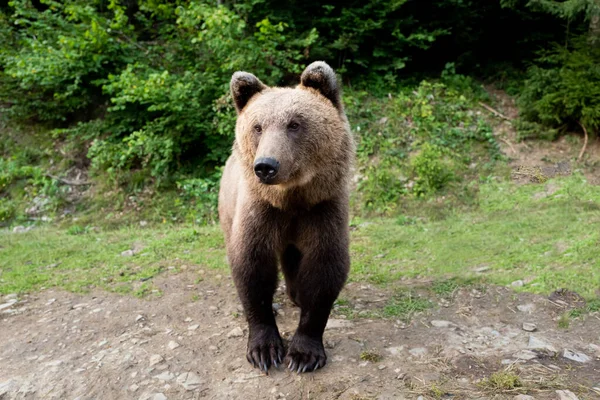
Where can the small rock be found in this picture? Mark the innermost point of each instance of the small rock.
(143, 223)
(518, 283)
(235, 332)
(133, 388)
(381, 367)
(11, 296)
(173, 345)
(193, 327)
(156, 359)
(127, 253)
(395, 350)
(525, 355)
(139, 318)
(188, 319)
(566, 395)
(575, 356)
(189, 380)
(523, 397)
(539, 344)
(526, 308)
(441, 324)
(528, 327)
(7, 305)
(19, 229)
(329, 344)
(157, 396)
(482, 269)
(339, 324)
(165, 376)
(418, 352)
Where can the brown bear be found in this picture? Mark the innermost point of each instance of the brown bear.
(283, 201)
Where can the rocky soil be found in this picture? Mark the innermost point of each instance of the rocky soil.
(189, 343)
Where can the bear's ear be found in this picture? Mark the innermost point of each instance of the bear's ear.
(243, 86)
(321, 77)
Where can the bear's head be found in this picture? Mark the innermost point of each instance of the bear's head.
(288, 136)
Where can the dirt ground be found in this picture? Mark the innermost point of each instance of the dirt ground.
(532, 161)
(189, 343)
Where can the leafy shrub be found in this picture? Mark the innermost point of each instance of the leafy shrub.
(415, 142)
(200, 197)
(431, 168)
(564, 89)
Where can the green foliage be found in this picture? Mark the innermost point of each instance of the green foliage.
(156, 74)
(432, 172)
(565, 88)
(416, 142)
(405, 304)
(200, 197)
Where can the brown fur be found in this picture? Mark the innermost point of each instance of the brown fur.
(300, 220)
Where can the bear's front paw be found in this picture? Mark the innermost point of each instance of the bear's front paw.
(265, 348)
(305, 354)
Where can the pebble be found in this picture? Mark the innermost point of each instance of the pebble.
(157, 396)
(566, 395)
(156, 359)
(134, 388)
(235, 332)
(139, 318)
(165, 376)
(526, 308)
(127, 253)
(575, 356)
(7, 305)
(528, 327)
(518, 283)
(11, 296)
(381, 367)
(526, 355)
(523, 397)
(173, 345)
(193, 327)
(538, 344)
(339, 324)
(188, 319)
(189, 380)
(441, 324)
(418, 352)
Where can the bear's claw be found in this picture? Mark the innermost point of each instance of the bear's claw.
(265, 348)
(305, 354)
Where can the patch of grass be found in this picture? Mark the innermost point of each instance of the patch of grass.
(552, 241)
(405, 304)
(45, 257)
(370, 356)
(501, 381)
(447, 288)
(436, 392)
(564, 321)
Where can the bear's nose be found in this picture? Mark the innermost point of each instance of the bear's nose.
(266, 168)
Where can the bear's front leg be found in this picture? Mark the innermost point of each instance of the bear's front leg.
(323, 242)
(254, 270)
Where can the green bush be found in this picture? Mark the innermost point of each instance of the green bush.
(564, 89)
(432, 169)
(416, 142)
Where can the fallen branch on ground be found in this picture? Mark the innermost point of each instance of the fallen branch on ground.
(68, 182)
(585, 141)
(495, 112)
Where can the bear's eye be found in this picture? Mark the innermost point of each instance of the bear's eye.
(258, 129)
(294, 126)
